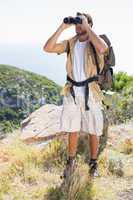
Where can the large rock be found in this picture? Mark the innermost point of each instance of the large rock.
(44, 124)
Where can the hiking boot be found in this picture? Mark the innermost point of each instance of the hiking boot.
(93, 169)
(69, 168)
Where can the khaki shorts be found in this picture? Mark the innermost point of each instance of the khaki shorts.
(74, 117)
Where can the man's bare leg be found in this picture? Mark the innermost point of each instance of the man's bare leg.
(72, 145)
(94, 145)
(72, 148)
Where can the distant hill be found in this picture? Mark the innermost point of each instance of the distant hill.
(21, 92)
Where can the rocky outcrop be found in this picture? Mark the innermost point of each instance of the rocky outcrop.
(41, 125)
(44, 124)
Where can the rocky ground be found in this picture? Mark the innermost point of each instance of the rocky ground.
(115, 183)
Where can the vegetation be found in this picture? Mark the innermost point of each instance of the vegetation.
(28, 172)
(22, 92)
(122, 81)
(121, 101)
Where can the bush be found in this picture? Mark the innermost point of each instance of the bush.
(126, 146)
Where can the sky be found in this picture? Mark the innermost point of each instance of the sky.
(27, 24)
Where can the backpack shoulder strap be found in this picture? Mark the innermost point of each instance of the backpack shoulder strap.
(95, 56)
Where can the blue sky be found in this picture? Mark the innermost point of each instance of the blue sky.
(27, 24)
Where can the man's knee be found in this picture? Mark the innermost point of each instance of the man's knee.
(74, 134)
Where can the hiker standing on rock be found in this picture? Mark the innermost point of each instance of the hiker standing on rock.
(83, 98)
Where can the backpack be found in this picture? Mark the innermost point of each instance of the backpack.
(105, 77)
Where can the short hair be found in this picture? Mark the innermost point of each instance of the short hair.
(88, 16)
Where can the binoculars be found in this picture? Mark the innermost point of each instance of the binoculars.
(72, 20)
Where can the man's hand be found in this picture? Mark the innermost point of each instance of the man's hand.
(98, 42)
(85, 22)
(65, 26)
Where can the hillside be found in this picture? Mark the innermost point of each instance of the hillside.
(31, 173)
(22, 92)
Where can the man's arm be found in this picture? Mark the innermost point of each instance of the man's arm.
(52, 46)
(97, 41)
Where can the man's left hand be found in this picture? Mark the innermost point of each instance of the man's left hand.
(85, 22)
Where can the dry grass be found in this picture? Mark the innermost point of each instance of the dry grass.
(23, 169)
(126, 146)
(28, 173)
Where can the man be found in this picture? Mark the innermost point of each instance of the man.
(81, 112)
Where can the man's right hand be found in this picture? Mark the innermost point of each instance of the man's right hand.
(65, 26)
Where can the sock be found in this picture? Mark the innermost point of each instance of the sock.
(93, 160)
(70, 159)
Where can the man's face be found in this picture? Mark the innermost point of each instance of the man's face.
(79, 28)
